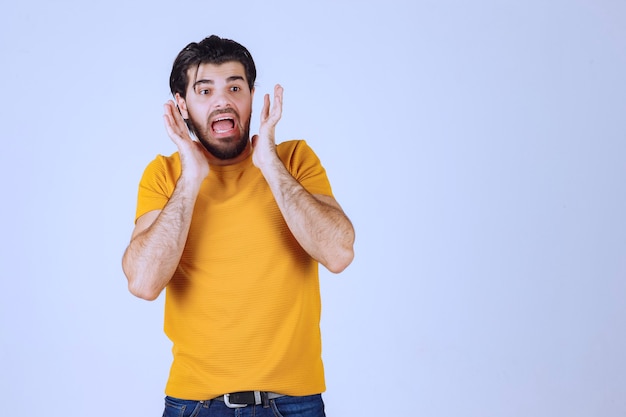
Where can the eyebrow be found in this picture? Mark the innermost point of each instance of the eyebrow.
(228, 80)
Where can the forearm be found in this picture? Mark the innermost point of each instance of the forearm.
(154, 253)
(318, 224)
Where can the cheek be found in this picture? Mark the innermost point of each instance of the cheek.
(196, 114)
(245, 113)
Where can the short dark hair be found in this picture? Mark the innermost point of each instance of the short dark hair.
(211, 50)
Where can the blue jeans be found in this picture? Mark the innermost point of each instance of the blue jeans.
(308, 406)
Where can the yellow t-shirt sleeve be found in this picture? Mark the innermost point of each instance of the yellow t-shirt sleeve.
(304, 165)
(157, 184)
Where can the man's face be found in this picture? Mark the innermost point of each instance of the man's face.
(218, 105)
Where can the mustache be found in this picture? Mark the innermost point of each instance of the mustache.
(219, 112)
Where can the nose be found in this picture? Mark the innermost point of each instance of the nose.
(221, 100)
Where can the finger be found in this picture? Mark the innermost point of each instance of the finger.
(171, 132)
(265, 111)
(174, 123)
(277, 109)
(174, 114)
(278, 95)
(168, 114)
(169, 117)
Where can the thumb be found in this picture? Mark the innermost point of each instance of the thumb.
(253, 140)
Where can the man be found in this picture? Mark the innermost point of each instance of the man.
(234, 228)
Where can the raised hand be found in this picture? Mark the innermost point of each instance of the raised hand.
(264, 144)
(193, 156)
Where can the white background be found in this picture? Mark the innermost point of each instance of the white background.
(478, 147)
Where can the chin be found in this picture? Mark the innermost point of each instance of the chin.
(230, 151)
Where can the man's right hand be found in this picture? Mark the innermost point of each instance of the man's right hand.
(159, 237)
(193, 156)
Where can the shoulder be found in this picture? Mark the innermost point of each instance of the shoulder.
(295, 149)
(304, 165)
(162, 173)
(165, 165)
(172, 160)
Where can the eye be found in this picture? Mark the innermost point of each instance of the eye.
(204, 92)
(235, 88)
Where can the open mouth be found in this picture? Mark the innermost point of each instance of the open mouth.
(223, 124)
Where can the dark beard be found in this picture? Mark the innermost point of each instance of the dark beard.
(222, 152)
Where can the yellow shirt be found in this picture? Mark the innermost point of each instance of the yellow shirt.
(243, 307)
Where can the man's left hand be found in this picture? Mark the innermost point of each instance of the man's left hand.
(264, 144)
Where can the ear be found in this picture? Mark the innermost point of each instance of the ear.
(182, 106)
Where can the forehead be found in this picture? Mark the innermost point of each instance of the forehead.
(217, 73)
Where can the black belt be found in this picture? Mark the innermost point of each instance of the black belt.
(245, 398)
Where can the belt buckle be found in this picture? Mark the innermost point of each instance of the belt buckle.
(257, 400)
(231, 405)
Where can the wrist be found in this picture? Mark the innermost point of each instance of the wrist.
(189, 183)
(266, 159)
